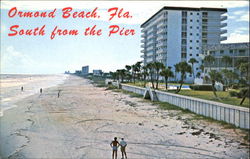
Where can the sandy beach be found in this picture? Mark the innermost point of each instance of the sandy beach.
(84, 119)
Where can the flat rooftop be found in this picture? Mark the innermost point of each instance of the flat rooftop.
(227, 46)
(185, 9)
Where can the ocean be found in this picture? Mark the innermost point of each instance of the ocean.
(11, 84)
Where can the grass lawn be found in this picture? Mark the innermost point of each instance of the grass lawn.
(208, 95)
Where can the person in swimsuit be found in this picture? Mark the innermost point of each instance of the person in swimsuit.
(123, 145)
(114, 145)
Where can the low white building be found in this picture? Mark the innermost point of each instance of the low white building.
(236, 51)
(97, 72)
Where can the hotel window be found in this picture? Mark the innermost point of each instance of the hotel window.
(242, 52)
(197, 68)
(191, 40)
(191, 34)
(231, 51)
(190, 54)
(190, 48)
(183, 55)
(204, 14)
(197, 34)
(197, 27)
(221, 51)
(183, 41)
(191, 27)
(204, 27)
(191, 13)
(191, 20)
(184, 14)
(197, 41)
(197, 20)
(204, 20)
(197, 54)
(212, 52)
(197, 48)
(198, 13)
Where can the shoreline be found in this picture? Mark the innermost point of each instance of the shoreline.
(27, 81)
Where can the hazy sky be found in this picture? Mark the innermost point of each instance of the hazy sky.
(39, 54)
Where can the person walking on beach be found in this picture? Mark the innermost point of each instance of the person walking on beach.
(41, 90)
(22, 88)
(123, 145)
(114, 145)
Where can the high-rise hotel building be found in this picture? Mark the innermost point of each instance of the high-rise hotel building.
(176, 34)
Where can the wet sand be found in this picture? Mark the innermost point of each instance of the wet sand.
(82, 122)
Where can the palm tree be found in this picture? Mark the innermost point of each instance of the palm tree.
(215, 77)
(209, 60)
(158, 66)
(192, 61)
(121, 73)
(128, 68)
(183, 68)
(137, 69)
(244, 69)
(144, 75)
(231, 76)
(113, 75)
(150, 68)
(198, 74)
(227, 60)
(166, 73)
(175, 72)
(246, 94)
(133, 72)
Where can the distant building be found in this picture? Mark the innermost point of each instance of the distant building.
(236, 51)
(97, 72)
(67, 72)
(78, 72)
(85, 70)
(176, 34)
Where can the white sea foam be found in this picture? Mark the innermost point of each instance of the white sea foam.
(10, 90)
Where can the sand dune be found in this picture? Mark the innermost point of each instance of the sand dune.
(82, 122)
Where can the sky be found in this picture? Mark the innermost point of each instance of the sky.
(41, 55)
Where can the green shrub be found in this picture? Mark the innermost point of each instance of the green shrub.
(201, 87)
(242, 92)
(237, 86)
(233, 93)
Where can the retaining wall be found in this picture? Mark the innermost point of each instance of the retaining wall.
(238, 116)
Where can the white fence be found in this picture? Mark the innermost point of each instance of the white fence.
(238, 116)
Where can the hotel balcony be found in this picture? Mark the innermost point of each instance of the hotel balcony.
(162, 24)
(223, 38)
(143, 35)
(223, 31)
(160, 31)
(142, 56)
(223, 18)
(161, 37)
(161, 51)
(142, 51)
(143, 45)
(143, 41)
(223, 25)
(161, 44)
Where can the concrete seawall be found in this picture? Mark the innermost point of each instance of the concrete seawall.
(238, 116)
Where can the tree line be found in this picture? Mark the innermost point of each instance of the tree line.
(152, 72)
